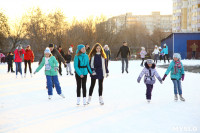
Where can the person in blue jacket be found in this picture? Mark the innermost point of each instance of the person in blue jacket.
(98, 63)
(177, 74)
(82, 67)
(165, 52)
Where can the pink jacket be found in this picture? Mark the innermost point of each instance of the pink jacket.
(18, 55)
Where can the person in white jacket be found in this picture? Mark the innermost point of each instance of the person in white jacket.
(156, 53)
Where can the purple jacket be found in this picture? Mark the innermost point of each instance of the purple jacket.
(143, 53)
(150, 74)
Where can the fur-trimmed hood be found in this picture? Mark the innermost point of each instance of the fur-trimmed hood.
(153, 65)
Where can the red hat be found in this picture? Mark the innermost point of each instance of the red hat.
(72, 45)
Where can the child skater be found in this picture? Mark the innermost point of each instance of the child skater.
(150, 72)
(143, 53)
(51, 66)
(177, 74)
(81, 66)
(68, 58)
(98, 64)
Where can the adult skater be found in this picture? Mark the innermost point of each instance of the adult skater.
(108, 54)
(165, 52)
(60, 60)
(98, 65)
(68, 58)
(156, 54)
(10, 62)
(125, 51)
(150, 73)
(87, 47)
(194, 48)
(28, 59)
(82, 67)
(51, 66)
(18, 57)
(143, 53)
(177, 74)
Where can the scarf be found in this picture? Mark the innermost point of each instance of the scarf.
(177, 66)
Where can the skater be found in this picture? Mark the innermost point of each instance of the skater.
(68, 58)
(108, 53)
(28, 59)
(125, 51)
(98, 65)
(161, 54)
(18, 57)
(156, 54)
(82, 67)
(194, 48)
(150, 73)
(143, 53)
(2, 58)
(71, 49)
(177, 74)
(60, 59)
(87, 47)
(165, 52)
(51, 66)
(10, 62)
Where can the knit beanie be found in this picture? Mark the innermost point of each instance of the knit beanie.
(149, 61)
(47, 50)
(79, 47)
(51, 45)
(177, 55)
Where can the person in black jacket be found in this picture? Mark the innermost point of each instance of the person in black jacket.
(10, 62)
(68, 58)
(60, 60)
(125, 51)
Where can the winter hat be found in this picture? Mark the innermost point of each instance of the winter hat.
(47, 50)
(177, 55)
(160, 48)
(165, 44)
(156, 46)
(51, 45)
(79, 47)
(72, 46)
(143, 48)
(149, 61)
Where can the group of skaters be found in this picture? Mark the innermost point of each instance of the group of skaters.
(95, 62)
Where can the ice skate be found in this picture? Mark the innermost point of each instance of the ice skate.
(181, 98)
(50, 96)
(62, 95)
(101, 100)
(89, 100)
(175, 97)
(84, 101)
(78, 101)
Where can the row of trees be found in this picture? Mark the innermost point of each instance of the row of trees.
(39, 29)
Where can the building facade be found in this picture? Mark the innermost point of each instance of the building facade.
(186, 16)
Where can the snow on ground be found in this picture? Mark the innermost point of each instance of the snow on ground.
(24, 107)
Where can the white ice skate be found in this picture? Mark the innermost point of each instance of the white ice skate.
(78, 101)
(89, 100)
(50, 96)
(175, 98)
(31, 75)
(101, 100)
(62, 95)
(25, 75)
(148, 101)
(182, 99)
(84, 101)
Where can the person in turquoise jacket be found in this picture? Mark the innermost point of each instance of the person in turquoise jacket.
(165, 52)
(177, 74)
(82, 67)
(51, 66)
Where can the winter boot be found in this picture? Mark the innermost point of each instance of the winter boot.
(50, 96)
(181, 98)
(175, 97)
(62, 95)
(89, 99)
(78, 101)
(84, 101)
(101, 100)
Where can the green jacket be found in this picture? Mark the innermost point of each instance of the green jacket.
(171, 69)
(53, 63)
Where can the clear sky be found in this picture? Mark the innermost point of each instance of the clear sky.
(84, 8)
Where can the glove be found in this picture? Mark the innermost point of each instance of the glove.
(164, 77)
(182, 77)
(161, 81)
(94, 73)
(35, 72)
(65, 65)
(107, 74)
(55, 68)
(138, 80)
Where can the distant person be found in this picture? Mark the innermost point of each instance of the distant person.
(60, 59)
(10, 59)
(125, 51)
(28, 59)
(143, 53)
(71, 49)
(156, 54)
(2, 58)
(194, 48)
(87, 47)
(165, 52)
(68, 58)
(160, 54)
(18, 57)
(108, 54)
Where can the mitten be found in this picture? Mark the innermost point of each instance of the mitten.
(164, 77)
(138, 80)
(182, 77)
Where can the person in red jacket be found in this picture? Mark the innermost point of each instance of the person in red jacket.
(18, 57)
(28, 59)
